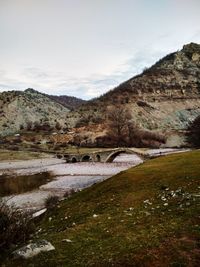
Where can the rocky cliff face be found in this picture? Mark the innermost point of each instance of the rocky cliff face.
(18, 108)
(164, 97)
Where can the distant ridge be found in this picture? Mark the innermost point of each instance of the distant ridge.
(19, 108)
(69, 102)
(165, 96)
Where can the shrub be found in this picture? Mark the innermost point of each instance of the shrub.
(193, 134)
(51, 202)
(69, 192)
(16, 226)
(58, 126)
(21, 127)
(82, 122)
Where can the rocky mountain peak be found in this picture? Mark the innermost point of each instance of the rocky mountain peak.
(186, 59)
(31, 91)
(191, 48)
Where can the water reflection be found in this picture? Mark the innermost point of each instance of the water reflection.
(61, 177)
(16, 185)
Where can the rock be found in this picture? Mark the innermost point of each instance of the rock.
(67, 240)
(39, 213)
(196, 195)
(33, 249)
(147, 201)
(95, 215)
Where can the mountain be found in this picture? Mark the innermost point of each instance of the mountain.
(164, 97)
(21, 108)
(69, 102)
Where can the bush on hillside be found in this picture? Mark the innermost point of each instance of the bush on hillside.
(193, 135)
(16, 226)
(51, 202)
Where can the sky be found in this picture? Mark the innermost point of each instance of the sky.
(84, 48)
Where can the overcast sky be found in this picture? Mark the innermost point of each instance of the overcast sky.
(86, 47)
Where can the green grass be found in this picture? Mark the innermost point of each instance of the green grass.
(6, 155)
(128, 232)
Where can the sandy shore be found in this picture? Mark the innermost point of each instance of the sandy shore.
(28, 166)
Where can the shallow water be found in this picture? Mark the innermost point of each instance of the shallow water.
(28, 189)
(65, 177)
(10, 185)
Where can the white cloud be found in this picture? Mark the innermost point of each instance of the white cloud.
(85, 47)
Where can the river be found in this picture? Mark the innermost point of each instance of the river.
(27, 184)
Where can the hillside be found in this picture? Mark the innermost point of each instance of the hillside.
(145, 216)
(164, 97)
(18, 109)
(69, 102)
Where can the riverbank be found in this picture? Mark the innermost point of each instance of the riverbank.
(11, 155)
(144, 216)
(64, 177)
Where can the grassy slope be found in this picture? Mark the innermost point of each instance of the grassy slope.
(128, 232)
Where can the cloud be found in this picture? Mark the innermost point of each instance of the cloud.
(86, 87)
(85, 48)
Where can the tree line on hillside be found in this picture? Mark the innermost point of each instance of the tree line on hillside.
(123, 131)
(193, 134)
(44, 126)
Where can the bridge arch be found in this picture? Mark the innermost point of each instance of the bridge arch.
(86, 158)
(74, 160)
(98, 158)
(114, 154)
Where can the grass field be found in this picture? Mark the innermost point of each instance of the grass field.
(6, 155)
(146, 216)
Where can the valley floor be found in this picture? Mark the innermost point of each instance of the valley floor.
(144, 216)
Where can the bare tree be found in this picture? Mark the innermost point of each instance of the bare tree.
(118, 119)
(134, 134)
(58, 126)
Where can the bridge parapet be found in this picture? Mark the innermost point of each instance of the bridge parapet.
(102, 155)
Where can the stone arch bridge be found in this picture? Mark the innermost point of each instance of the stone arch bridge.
(102, 155)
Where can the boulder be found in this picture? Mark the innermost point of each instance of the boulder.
(33, 249)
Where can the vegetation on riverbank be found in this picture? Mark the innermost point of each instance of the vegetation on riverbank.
(6, 155)
(145, 216)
